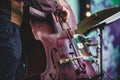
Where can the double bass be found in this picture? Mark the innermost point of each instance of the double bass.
(52, 43)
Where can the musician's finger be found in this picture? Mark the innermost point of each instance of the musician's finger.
(66, 13)
(57, 18)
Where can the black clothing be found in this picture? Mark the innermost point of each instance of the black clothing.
(5, 9)
(10, 42)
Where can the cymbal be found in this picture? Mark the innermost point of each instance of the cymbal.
(87, 23)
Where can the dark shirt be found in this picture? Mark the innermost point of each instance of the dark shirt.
(42, 5)
(5, 9)
(47, 6)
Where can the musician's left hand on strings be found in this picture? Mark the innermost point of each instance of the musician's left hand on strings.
(65, 12)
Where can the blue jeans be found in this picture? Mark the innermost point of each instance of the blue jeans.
(10, 49)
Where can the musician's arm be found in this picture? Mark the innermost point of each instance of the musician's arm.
(46, 6)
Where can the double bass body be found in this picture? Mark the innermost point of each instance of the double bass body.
(56, 47)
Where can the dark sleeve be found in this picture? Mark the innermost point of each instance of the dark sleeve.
(44, 5)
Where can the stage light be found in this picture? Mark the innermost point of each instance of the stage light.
(88, 14)
(87, 5)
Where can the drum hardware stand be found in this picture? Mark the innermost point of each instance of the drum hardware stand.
(100, 53)
(99, 49)
(100, 27)
(101, 72)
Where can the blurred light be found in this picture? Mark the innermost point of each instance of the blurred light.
(87, 5)
(88, 14)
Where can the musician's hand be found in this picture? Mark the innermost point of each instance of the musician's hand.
(66, 14)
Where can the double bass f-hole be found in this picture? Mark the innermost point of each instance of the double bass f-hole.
(53, 76)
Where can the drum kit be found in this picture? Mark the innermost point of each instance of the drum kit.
(96, 22)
